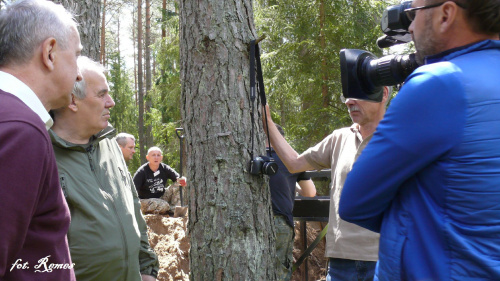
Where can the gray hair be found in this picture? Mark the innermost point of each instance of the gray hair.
(85, 64)
(155, 148)
(121, 138)
(25, 24)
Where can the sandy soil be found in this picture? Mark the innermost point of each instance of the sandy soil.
(167, 236)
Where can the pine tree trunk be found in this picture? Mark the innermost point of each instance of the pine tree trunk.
(163, 19)
(163, 93)
(118, 40)
(136, 90)
(232, 236)
(140, 86)
(324, 66)
(88, 15)
(103, 33)
(148, 134)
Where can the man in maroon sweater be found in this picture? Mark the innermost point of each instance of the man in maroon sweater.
(39, 45)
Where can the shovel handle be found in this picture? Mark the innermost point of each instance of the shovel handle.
(179, 132)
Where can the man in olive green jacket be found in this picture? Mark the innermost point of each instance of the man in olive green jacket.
(107, 235)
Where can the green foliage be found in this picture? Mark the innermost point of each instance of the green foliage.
(301, 62)
(165, 114)
(125, 112)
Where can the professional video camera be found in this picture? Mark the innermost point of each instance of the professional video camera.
(363, 74)
(395, 24)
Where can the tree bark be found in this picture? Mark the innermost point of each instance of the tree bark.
(102, 58)
(324, 66)
(232, 233)
(88, 15)
(148, 133)
(163, 19)
(136, 89)
(118, 39)
(142, 140)
(163, 92)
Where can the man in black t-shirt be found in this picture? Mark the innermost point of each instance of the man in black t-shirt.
(151, 178)
(282, 186)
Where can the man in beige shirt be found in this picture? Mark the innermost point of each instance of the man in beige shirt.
(352, 250)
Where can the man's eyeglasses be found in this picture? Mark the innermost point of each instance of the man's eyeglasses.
(344, 100)
(411, 12)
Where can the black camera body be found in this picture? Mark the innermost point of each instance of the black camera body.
(364, 75)
(394, 25)
(263, 165)
(394, 20)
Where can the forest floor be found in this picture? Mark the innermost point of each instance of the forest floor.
(168, 237)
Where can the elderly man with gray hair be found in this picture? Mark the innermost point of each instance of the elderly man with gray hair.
(127, 145)
(352, 251)
(108, 234)
(39, 46)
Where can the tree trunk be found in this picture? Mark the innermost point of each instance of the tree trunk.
(118, 39)
(88, 15)
(148, 134)
(142, 140)
(232, 233)
(136, 90)
(324, 66)
(163, 19)
(103, 33)
(163, 92)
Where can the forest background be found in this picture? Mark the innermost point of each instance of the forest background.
(175, 63)
(300, 57)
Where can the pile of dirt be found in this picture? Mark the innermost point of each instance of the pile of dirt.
(167, 236)
(316, 262)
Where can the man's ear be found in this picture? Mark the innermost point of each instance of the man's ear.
(73, 105)
(385, 95)
(49, 52)
(447, 15)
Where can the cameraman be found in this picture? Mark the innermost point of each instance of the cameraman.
(352, 250)
(433, 166)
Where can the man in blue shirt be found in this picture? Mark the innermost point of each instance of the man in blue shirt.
(429, 180)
